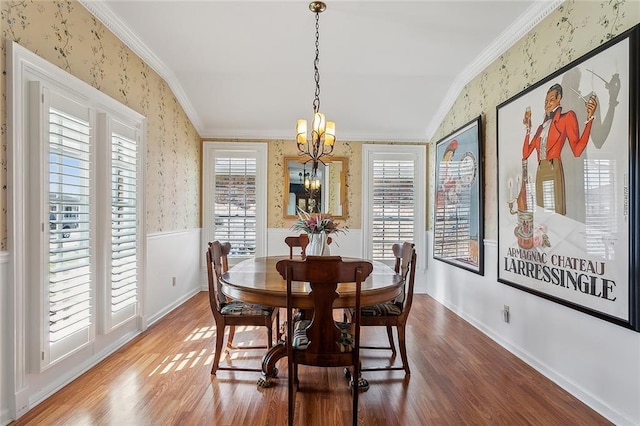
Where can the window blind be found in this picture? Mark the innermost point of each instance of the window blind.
(235, 203)
(70, 274)
(392, 205)
(124, 250)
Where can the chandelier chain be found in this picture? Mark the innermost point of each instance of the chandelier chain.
(316, 100)
(320, 141)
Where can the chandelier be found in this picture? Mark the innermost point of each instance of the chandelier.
(323, 133)
(307, 181)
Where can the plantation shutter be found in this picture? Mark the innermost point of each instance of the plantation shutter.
(235, 203)
(70, 274)
(393, 199)
(123, 294)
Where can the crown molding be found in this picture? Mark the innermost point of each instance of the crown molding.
(285, 135)
(520, 27)
(527, 21)
(111, 20)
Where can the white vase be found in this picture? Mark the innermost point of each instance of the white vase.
(318, 245)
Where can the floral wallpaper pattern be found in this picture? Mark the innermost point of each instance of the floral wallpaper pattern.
(64, 33)
(572, 30)
(335, 190)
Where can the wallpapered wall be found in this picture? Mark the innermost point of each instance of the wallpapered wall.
(67, 35)
(572, 30)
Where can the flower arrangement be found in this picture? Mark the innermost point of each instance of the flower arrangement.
(316, 224)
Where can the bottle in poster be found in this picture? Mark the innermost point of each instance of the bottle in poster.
(524, 230)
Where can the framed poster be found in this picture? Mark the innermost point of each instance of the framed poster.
(457, 229)
(568, 184)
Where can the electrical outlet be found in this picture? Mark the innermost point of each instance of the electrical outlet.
(173, 281)
(505, 313)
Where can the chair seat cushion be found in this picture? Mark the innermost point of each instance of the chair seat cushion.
(382, 309)
(301, 342)
(240, 308)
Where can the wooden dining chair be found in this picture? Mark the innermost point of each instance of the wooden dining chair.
(394, 313)
(230, 313)
(301, 241)
(321, 341)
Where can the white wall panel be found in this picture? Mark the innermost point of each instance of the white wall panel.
(171, 255)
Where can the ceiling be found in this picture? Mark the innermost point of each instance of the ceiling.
(389, 70)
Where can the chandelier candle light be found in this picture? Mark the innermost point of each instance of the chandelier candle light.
(323, 133)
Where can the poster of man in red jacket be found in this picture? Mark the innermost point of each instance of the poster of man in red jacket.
(548, 140)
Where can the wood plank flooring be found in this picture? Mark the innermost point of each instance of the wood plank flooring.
(458, 377)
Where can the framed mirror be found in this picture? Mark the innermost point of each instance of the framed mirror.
(325, 194)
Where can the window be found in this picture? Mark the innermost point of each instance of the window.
(393, 197)
(234, 213)
(76, 208)
(122, 293)
(234, 183)
(67, 128)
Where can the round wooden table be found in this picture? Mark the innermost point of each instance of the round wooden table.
(256, 280)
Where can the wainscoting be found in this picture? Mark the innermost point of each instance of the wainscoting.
(175, 262)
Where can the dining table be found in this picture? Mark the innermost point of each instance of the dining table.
(256, 280)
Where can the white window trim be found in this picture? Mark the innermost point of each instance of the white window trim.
(418, 153)
(26, 66)
(41, 97)
(260, 151)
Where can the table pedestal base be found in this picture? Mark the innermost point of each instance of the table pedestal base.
(269, 370)
(279, 351)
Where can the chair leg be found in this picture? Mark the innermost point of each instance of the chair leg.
(403, 348)
(232, 332)
(390, 336)
(291, 396)
(270, 336)
(218, 351)
(278, 330)
(355, 389)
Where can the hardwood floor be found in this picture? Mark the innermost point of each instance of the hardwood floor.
(458, 377)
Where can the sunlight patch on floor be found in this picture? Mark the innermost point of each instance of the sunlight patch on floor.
(201, 333)
(192, 359)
